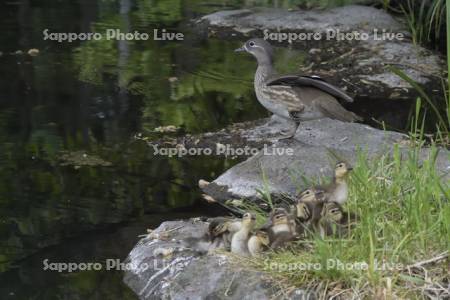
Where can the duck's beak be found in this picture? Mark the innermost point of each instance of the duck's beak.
(350, 168)
(242, 49)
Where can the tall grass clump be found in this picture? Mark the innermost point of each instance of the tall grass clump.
(399, 248)
(425, 19)
(427, 107)
(440, 111)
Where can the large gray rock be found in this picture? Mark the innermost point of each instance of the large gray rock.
(315, 148)
(173, 263)
(346, 19)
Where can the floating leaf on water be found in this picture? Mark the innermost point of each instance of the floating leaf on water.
(314, 51)
(169, 128)
(33, 52)
(79, 159)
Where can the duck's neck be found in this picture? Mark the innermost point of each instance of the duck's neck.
(340, 180)
(245, 229)
(263, 72)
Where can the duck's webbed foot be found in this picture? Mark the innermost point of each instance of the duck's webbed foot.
(289, 133)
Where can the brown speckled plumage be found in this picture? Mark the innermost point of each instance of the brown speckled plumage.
(307, 98)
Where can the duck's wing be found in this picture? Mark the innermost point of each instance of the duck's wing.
(286, 198)
(333, 110)
(285, 95)
(311, 81)
(218, 225)
(281, 240)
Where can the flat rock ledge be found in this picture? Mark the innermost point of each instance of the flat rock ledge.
(173, 263)
(315, 149)
(357, 66)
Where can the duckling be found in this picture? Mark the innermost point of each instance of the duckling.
(297, 228)
(309, 214)
(279, 227)
(311, 194)
(258, 242)
(334, 220)
(309, 204)
(337, 190)
(221, 230)
(239, 241)
(309, 211)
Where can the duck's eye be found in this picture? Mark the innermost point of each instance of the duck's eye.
(251, 44)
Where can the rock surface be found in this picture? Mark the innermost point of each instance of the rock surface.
(172, 263)
(316, 147)
(346, 19)
(359, 66)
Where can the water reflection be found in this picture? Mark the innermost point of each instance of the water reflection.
(92, 98)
